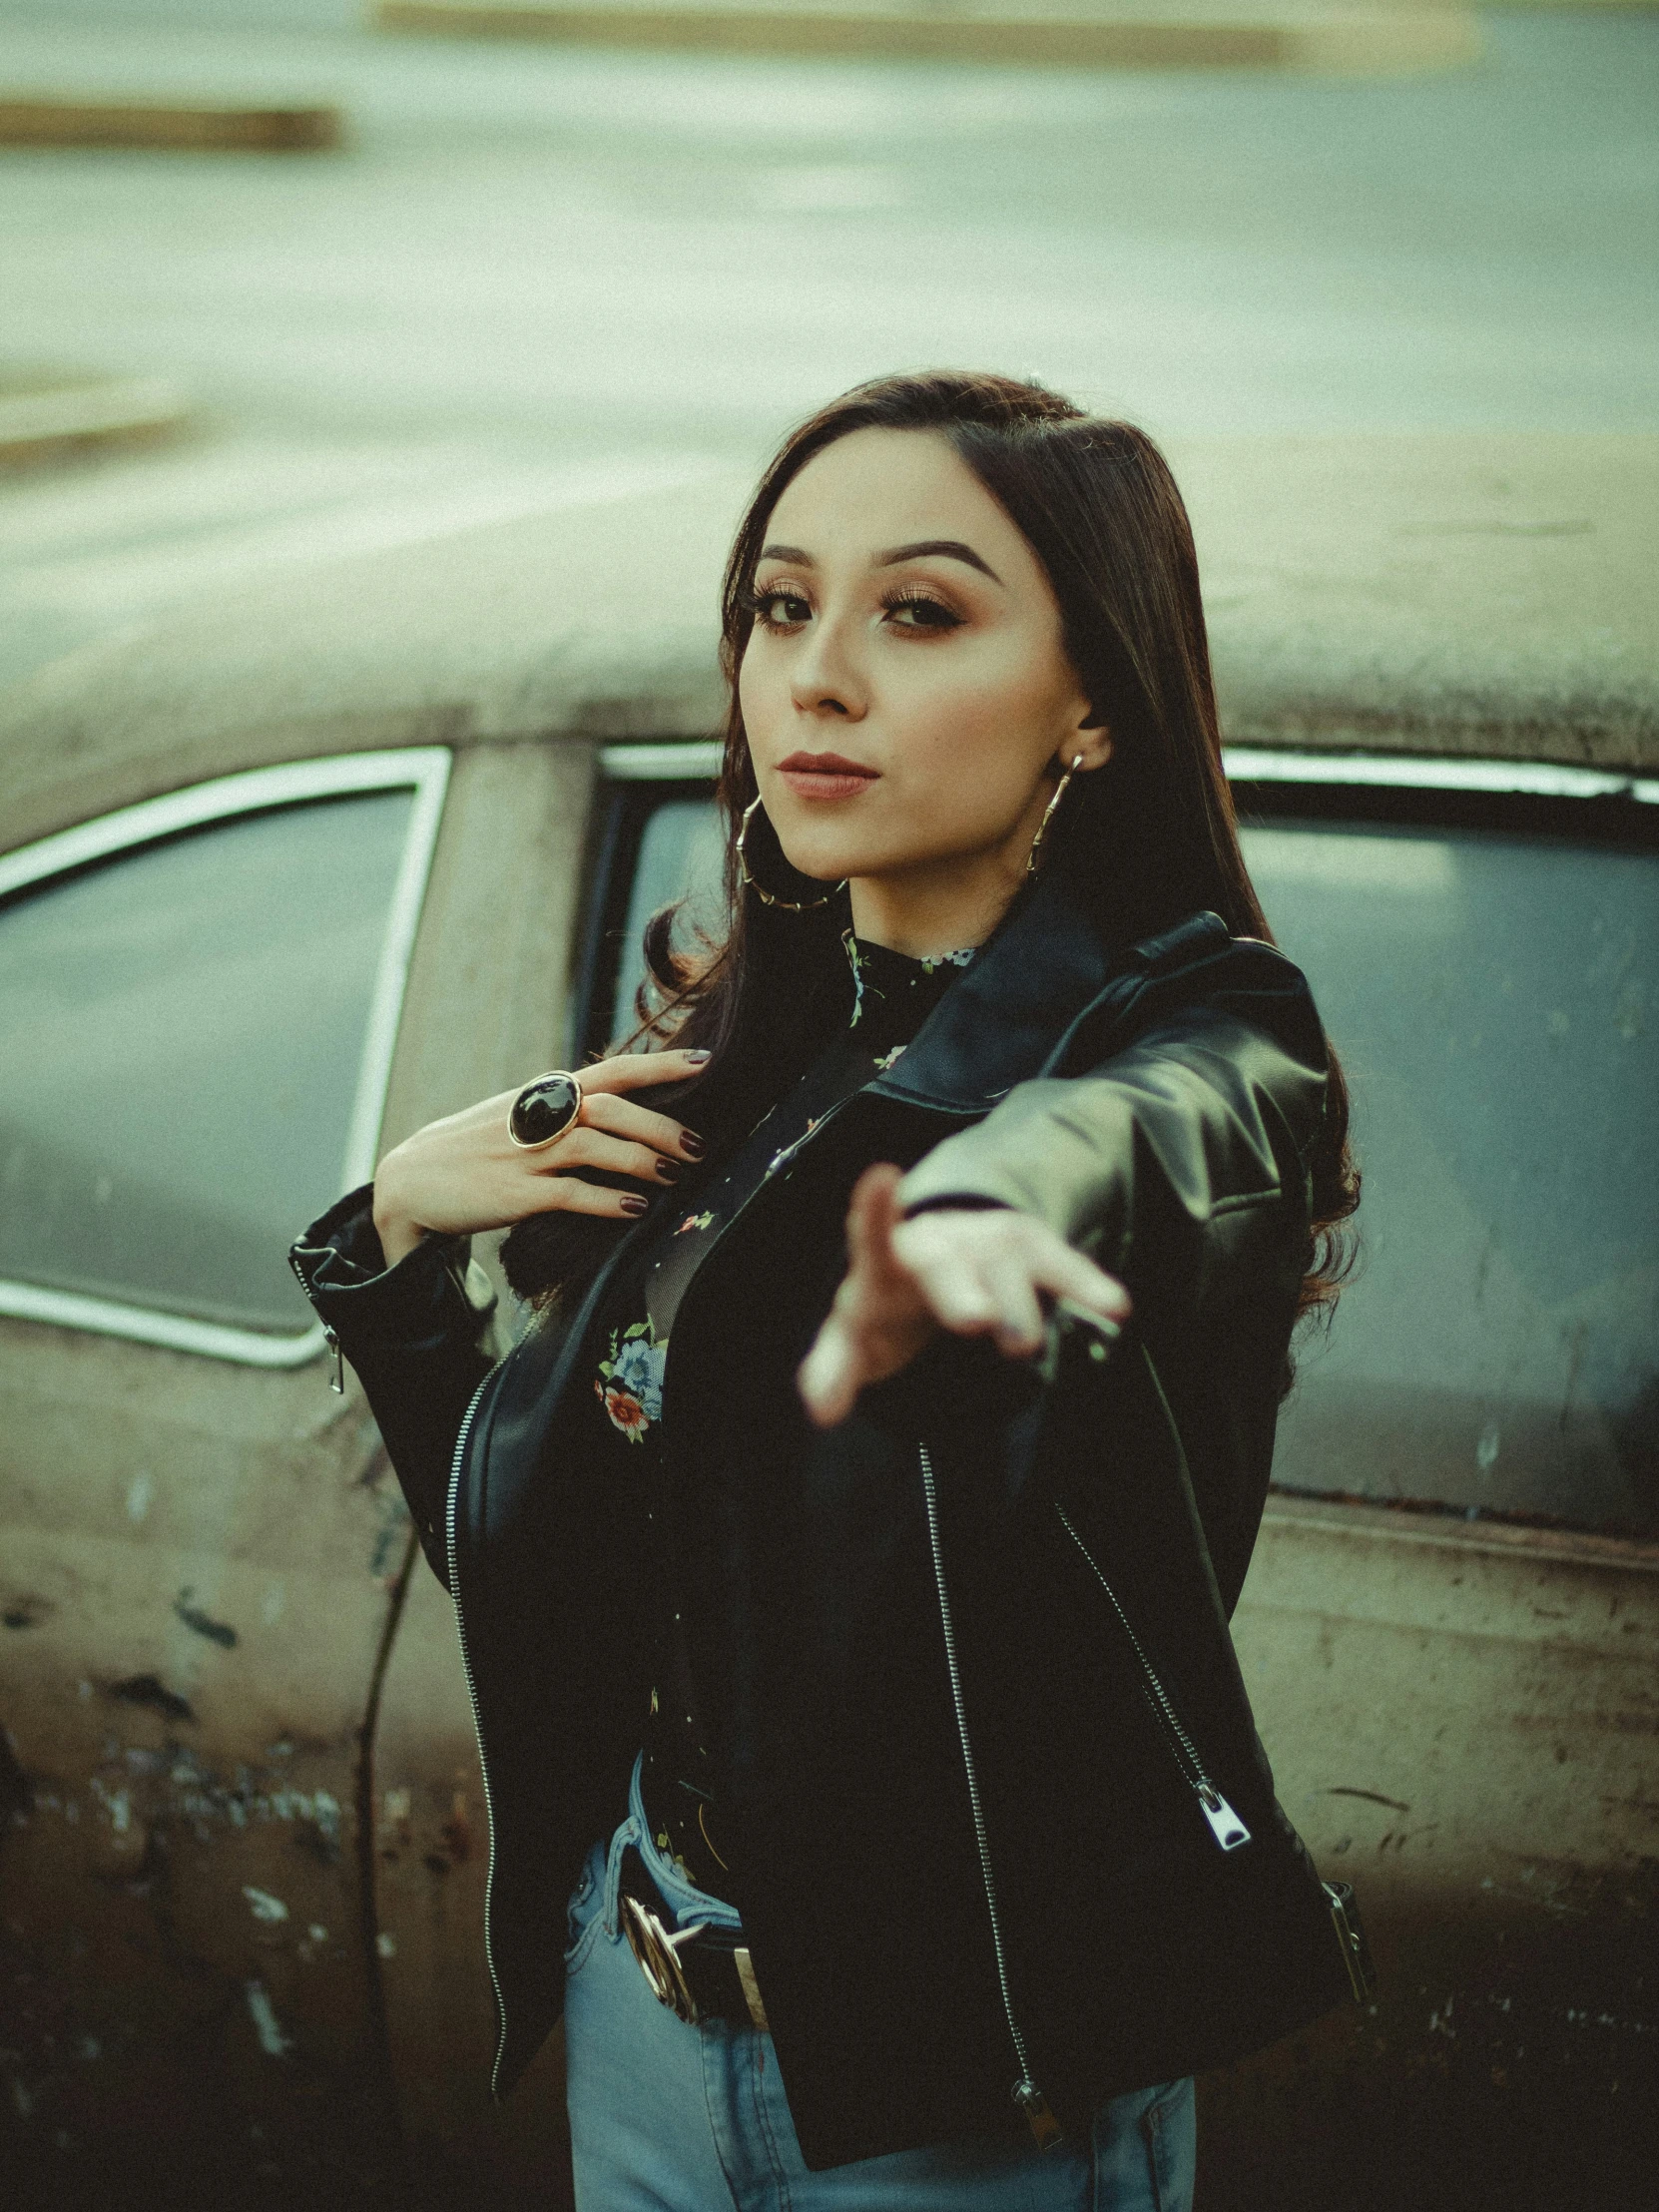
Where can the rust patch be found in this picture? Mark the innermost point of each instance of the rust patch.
(456, 1831)
(217, 1632)
(149, 1690)
(17, 1797)
(1509, 2064)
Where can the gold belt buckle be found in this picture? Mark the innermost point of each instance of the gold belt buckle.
(658, 1952)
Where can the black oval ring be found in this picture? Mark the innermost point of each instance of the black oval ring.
(544, 1110)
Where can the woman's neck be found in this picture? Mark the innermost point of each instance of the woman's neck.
(932, 910)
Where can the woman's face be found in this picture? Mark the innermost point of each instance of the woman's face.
(906, 689)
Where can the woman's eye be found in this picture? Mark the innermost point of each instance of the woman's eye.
(781, 610)
(922, 614)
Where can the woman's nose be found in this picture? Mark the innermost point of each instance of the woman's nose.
(825, 678)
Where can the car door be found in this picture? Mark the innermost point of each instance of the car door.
(1451, 1623)
(217, 1008)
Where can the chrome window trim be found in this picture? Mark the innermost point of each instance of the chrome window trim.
(1250, 763)
(424, 769)
(698, 759)
(690, 759)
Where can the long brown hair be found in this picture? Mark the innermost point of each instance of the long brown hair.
(1145, 840)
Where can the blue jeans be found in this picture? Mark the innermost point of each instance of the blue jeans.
(694, 2119)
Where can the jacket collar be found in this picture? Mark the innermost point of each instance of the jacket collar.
(998, 1024)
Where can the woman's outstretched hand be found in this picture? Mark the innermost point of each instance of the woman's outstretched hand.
(464, 1173)
(976, 1271)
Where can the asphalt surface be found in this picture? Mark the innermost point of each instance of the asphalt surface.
(537, 271)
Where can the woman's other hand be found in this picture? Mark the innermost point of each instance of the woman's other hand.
(464, 1173)
(979, 1272)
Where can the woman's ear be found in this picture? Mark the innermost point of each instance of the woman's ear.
(1087, 745)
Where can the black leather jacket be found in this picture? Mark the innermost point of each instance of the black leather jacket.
(983, 1743)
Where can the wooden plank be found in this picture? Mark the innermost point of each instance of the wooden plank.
(169, 127)
(1046, 34)
(45, 417)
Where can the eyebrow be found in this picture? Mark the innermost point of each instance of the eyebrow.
(950, 549)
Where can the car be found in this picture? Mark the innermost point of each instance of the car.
(298, 870)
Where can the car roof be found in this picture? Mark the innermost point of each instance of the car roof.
(1484, 594)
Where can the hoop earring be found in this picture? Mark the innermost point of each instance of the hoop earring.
(751, 883)
(1048, 816)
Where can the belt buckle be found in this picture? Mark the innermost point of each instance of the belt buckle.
(658, 1952)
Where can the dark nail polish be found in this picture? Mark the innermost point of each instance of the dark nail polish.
(669, 1170)
(633, 1202)
(691, 1144)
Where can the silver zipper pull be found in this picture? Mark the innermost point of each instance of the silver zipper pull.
(336, 1382)
(1225, 1825)
(1041, 2121)
(1350, 1935)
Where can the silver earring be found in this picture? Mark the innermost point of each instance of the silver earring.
(1048, 816)
(770, 898)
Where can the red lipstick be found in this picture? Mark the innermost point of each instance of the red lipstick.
(825, 774)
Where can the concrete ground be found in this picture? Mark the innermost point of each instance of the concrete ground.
(534, 272)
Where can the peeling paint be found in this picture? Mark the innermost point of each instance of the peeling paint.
(118, 1804)
(265, 1906)
(266, 2027)
(148, 1689)
(198, 1622)
(1371, 1797)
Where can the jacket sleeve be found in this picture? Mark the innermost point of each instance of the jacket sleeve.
(421, 1335)
(1177, 1162)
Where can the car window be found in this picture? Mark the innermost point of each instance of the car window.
(1492, 998)
(679, 857)
(185, 1028)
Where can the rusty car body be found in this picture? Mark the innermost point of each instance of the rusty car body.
(286, 877)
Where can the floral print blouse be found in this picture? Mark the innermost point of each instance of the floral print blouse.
(892, 996)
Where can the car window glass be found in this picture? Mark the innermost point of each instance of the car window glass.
(1493, 999)
(680, 856)
(181, 1032)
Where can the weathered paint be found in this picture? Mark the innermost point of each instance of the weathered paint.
(1477, 594)
(1464, 1723)
(180, 1806)
(186, 1683)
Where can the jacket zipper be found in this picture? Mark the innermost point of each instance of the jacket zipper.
(1225, 1825)
(1026, 2093)
(336, 1382)
(472, 1696)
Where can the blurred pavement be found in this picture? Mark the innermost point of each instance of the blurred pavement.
(537, 271)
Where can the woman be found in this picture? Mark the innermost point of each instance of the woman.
(843, 1557)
